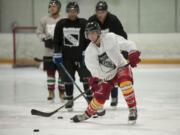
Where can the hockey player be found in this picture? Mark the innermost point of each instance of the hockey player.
(109, 23)
(70, 43)
(103, 58)
(45, 32)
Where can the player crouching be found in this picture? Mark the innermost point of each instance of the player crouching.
(103, 58)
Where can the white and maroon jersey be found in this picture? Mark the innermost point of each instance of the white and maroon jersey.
(104, 61)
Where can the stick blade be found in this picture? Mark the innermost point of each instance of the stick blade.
(37, 59)
(39, 113)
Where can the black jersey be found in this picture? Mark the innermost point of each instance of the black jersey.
(69, 38)
(111, 24)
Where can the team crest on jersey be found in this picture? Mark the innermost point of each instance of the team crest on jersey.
(71, 37)
(50, 29)
(106, 63)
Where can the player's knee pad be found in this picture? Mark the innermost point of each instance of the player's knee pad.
(126, 73)
(103, 91)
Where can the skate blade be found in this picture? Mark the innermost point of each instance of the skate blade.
(132, 122)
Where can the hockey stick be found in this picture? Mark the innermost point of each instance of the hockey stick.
(46, 114)
(73, 81)
(70, 77)
(37, 59)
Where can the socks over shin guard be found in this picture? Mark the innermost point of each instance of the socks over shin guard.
(51, 83)
(128, 92)
(51, 80)
(61, 86)
(94, 106)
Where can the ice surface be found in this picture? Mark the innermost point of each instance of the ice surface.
(157, 91)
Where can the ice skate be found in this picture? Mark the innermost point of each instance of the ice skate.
(132, 115)
(51, 96)
(69, 106)
(62, 96)
(114, 102)
(79, 118)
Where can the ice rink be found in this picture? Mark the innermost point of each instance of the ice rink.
(157, 91)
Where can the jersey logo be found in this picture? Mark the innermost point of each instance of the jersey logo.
(71, 37)
(106, 63)
(50, 29)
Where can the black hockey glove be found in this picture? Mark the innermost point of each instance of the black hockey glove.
(48, 43)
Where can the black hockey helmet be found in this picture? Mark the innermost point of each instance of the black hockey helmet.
(92, 26)
(72, 5)
(55, 2)
(101, 6)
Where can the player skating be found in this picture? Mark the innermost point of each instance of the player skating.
(45, 32)
(109, 23)
(103, 58)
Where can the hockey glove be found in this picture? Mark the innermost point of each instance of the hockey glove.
(48, 43)
(57, 58)
(93, 84)
(134, 58)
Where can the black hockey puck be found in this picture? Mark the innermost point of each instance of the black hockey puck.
(36, 130)
(95, 116)
(60, 117)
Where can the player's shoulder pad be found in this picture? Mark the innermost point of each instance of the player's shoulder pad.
(109, 40)
(109, 36)
(112, 36)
